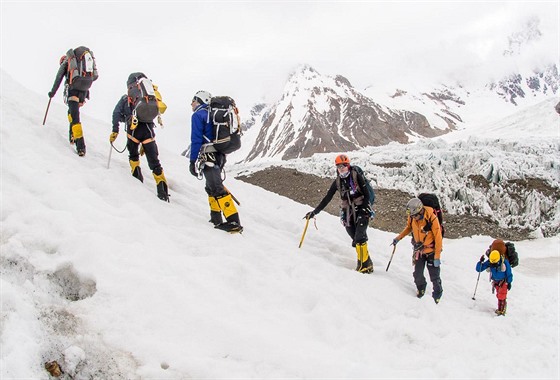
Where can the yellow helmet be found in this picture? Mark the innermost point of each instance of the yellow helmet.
(494, 257)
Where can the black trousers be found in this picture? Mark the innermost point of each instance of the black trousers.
(213, 175)
(422, 262)
(74, 115)
(143, 132)
(358, 229)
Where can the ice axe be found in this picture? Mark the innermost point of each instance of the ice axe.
(47, 111)
(391, 259)
(305, 230)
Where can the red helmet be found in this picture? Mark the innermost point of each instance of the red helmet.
(342, 159)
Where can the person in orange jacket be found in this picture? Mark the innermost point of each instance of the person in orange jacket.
(427, 243)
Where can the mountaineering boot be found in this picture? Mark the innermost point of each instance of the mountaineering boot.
(437, 297)
(161, 185)
(231, 227)
(501, 310)
(365, 264)
(135, 170)
(78, 136)
(227, 206)
(215, 211)
(420, 293)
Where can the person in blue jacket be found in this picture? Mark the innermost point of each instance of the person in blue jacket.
(500, 275)
(211, 164)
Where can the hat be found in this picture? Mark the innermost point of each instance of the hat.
(498, 245)
(494, 257)
(202, 97)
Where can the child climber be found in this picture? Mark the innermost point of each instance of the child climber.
(500, 273)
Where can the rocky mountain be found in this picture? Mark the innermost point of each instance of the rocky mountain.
(321, 114)
(519, 83)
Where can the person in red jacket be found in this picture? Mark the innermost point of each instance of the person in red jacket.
(427, 245)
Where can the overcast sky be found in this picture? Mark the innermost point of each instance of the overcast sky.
(247, 49)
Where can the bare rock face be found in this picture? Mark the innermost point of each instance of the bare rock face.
(320, 114)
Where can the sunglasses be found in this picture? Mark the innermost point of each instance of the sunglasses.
(340, 166)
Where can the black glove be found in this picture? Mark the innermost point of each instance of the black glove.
(509, 285)
(310, 214)
(51, 94)
(395, 241)
(192, 169)
(482, 259)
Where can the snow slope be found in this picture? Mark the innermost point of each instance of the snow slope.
(100, 275)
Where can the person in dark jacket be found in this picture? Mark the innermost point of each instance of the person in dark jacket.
(500, 273)
(75, 93)
(355, 211)
(427, 241)
(142, 134)
(210, 165)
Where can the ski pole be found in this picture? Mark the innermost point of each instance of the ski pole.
(47, 111)
(476, 286)
(110, 152)
(391, 259)
(304, 231)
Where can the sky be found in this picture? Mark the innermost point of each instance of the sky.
(100, 275)
(247, 49)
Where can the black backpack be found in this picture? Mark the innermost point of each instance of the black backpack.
(358, 170)
(82, 69)
(511, 255)
(431, 200)
(142, 98)
(223, 114)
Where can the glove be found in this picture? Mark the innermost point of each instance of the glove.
(395, 241)
(509, 285)
(482, 259)
(310, 214)
(51, 94)
(437, 263)
(192, 169)
(113, 136)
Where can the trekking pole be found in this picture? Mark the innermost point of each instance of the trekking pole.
(47, 111)
(110, 153)
(304, 231)
(476, 286)
(391, 259)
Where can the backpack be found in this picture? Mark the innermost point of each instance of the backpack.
(358, 170)
(512, 255)
(431, 200)
(82, 69)
(223, 114)
(142, 97)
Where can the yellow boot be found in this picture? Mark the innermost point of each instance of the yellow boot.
(230, 212)
(215, 211)
(78, 136)
(161, 185)
(135, 170)
(365, 265)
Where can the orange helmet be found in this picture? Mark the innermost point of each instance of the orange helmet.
(342, 159)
